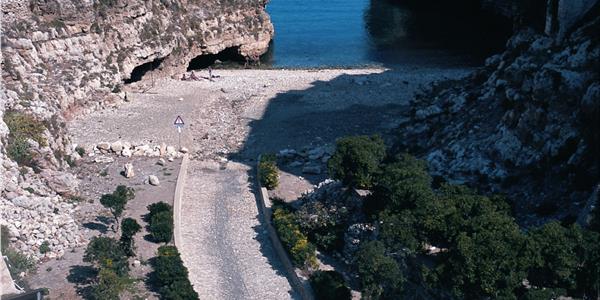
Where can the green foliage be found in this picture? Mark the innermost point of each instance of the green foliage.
(329, 285)
(21, 128)
(323, 223)
(117, 200)
(161, 227)
(554, 252)
(171, 276)
(356, 160)
(45, 247)
(301, 251)
(156, 208)
(18, 262)
(129, 228)
(588, 277)
(80, 150)
(380, 274)
(268, 172)
(107, 253)
(4, 238)
(398, 231)
(543, 294)
(595, 221)
(109, 285)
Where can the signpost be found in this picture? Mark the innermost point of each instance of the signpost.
(179, 124)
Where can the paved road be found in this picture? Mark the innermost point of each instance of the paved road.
(224, 246)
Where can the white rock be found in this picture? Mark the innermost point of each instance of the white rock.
(126, 152)
(153, 180)
(161, 162)
(128, 170)
(184, 150)
(103, 146)
(171, 150)
(117, 147)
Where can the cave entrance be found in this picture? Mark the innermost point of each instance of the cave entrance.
(138, 72)
(227, 56)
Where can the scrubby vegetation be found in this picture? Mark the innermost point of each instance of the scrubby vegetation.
(171, 276)
(356, 160)
(329, 285)
(23, 128)
(129, 228)
(268, 172)
(302, 252)
(160, 219)
(117, 200)
(445, 242)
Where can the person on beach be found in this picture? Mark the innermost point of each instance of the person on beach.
(193, 76)
(210, 74)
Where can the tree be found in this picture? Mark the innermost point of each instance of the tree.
(554, 252)
(268, 172)
(129, 228)
(329, 285)
(105, 252)
(117, 200)
(380, 274)
(356, 160)
(161, 227)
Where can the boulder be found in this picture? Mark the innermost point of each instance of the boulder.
(128, 170)
(184, 150)
(153, 180)
(117, 147)
(103, 146)
(104, 159)
(161, 162)
(126, 152)
(62, 183)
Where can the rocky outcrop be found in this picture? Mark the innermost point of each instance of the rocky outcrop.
(525, 124)
(61, 58)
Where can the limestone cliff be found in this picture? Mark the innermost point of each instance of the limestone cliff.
(63, 57)
(526, 124)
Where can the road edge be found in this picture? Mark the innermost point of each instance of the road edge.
(264, 203)
(177, 198)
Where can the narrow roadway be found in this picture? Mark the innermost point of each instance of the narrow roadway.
(223, 244)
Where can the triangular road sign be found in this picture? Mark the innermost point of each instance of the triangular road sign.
(178, 121)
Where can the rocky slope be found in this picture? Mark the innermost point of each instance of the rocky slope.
(65, 57)
(526, 124)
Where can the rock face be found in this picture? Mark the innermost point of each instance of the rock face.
(525, 124)
(65, 57)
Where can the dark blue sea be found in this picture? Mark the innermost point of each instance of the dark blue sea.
(355, 33)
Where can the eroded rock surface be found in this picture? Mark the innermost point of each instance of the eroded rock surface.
(525, 124)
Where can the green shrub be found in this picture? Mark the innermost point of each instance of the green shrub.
(4, 238)
(329, 285)
(18, 262)
(129, 228)
(356, 160)
(268, 172)
(45, 247)
(380, 275)
(171, 276)
(107, 253)
(301, 251)
(80, 150)
(21, 128)
(161, 227)
(109, 285)
(156, 208)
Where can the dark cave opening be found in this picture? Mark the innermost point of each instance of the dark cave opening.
(138, 72)
(227, 55)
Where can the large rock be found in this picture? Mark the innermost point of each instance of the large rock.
(62, 183)
(153, 180)
(128, 170)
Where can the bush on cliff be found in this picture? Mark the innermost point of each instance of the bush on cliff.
(105, 252)
(117, 200)
(21, 128)
(268, 172)
(356, 160)
(380, 275)
(129, 228)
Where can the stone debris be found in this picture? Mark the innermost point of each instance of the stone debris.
(161, 162)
